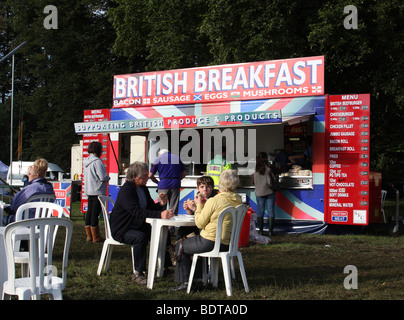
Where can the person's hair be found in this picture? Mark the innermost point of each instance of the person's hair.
(228, 181)
(95, 147)
(40, 166)
(135, 170)
(162, 151)
(205, 180)
(261, 163)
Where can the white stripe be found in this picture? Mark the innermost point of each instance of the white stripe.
(135, 114)
(198, 109)
(235, 106)
(114, 136)
(318, 178)
(267, 104)
(302, 206)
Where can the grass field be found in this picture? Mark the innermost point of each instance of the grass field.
(291, 267)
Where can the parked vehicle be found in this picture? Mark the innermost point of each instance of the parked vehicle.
(20, 168)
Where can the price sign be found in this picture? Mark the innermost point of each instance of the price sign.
(347, 145)
(94, 116)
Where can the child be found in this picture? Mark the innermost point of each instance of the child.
(205, 187)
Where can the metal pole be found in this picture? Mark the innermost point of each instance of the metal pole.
(12, 51)
(12, 106)
(11, 121)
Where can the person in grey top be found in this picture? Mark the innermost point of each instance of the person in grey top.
(264, 192)
(95, 184)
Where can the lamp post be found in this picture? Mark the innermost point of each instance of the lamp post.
(12, 105)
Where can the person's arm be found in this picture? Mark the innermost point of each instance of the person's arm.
(204, 212)
(18, 200)
(152, 172)
(153, 178)
(183, 171)
(188, 209)
(129, 201)
(101, 171)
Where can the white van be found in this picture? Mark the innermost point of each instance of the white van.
(20, 168)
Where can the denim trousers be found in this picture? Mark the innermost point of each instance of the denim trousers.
(268, 203)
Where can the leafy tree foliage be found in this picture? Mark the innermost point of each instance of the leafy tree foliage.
(368, 60)
(61, 72)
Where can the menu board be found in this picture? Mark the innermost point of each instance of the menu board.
(347, 145)
(94, 116)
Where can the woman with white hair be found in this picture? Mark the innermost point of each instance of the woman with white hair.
(206, 215)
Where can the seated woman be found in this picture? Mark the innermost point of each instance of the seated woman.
(128, 217)
(205, 187)
(206, 216)
(37, 184)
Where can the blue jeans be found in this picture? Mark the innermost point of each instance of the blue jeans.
(266, 202)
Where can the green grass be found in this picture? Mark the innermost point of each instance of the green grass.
(291, 267)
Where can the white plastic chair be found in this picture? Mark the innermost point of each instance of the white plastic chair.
(1, 212)
(109, 241)
(382, 199)
(44, 197)
(41, 210)
(42, 279)
(225, 256)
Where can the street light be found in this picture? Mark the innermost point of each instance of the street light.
(12, 105)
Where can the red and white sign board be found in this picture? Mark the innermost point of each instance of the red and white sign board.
(94, 116)
(347, 145)
(243, 81)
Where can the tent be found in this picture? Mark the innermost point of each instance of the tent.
(3, 170)
(3, 173)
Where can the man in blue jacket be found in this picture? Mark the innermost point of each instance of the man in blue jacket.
(171, 171)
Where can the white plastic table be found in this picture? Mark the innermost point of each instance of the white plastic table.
(159, 240)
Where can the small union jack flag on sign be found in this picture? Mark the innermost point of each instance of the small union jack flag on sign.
(316, 89)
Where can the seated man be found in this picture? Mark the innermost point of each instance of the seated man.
(128, 217)
(37, 184)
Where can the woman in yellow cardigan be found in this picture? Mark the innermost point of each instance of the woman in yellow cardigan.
(206, 215)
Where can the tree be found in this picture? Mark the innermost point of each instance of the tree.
(65, 71)
(159, 34)
(368, 60)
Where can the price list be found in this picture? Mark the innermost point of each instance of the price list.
(347, 145)
(94, 116)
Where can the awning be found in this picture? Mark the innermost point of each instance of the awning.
(234, 113)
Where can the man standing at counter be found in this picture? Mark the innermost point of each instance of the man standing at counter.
(171, 171)
(216, 166)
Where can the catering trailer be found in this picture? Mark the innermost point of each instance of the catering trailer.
(248, 108)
